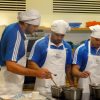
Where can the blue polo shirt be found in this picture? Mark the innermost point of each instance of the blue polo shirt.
(39, 51)
(12, 44)
(81, 55)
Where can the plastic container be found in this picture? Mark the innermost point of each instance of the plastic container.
(75, 24)
(92, 23)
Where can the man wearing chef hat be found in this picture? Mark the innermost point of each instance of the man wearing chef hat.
(13, 58)
(87, 60)
(53, 53)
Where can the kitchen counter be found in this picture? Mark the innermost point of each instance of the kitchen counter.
(85, 97)
(47, 96)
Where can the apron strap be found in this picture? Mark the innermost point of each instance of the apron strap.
(49, 42)
(89, 48)
(97, 51)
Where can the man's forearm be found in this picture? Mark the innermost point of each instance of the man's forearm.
(32, 65)
(70, 79)
(75, 70)
(69, 75)
(19, 69)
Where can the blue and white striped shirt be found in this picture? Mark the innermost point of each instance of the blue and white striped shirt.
(81, 55)
(12, 45)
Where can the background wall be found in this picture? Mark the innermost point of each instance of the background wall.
(45, 8)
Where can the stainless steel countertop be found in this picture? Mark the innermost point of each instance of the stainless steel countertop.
(49, 97)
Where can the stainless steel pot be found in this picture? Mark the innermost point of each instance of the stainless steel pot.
(91, 87)
(66, 92)
(73, 93)
(57, 92)
(95, 91)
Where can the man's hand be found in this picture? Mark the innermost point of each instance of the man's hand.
(71, 83)
(43, 73)
(84, 74)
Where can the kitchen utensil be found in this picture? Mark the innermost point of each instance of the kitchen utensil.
(54, 74)
(94, 90)
(57, 92)
(73, 93)
(90, 79)
(97, 93)
(55, 89)
(93, 87)
(54, 82)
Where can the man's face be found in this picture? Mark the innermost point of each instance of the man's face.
(95, 42)
(57, 38)
(31, 28)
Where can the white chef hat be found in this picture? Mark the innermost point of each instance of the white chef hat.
(95, 31)
(60, 27)
(30, 16)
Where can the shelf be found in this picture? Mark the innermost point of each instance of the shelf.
(80, 30)
(73, 30)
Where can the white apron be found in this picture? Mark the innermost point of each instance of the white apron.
(11, 83)
(55, 63)
(93, 66)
